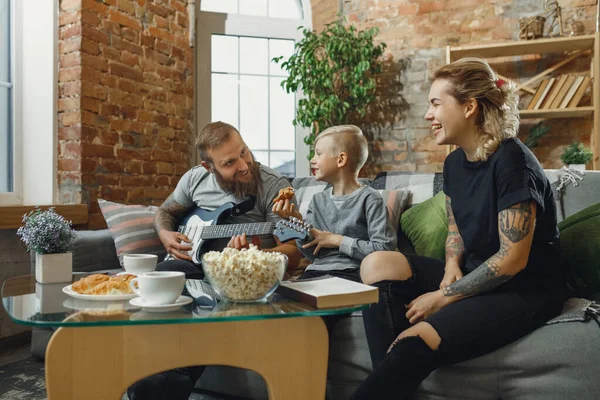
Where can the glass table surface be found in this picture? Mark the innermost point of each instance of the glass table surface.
(46, 305)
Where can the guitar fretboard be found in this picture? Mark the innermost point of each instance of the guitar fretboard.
(225, 231)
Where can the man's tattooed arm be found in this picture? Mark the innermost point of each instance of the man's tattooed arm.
(168, 215)
(455, 246)
(516, 225)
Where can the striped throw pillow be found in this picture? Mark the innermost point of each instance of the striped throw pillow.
(132, 228)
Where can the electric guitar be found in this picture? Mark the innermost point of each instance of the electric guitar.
(200, 226)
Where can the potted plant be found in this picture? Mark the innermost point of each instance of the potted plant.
(52, 239)
(576, 156)
(335, 70)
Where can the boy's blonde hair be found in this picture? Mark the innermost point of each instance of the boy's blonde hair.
(348, 139)
(498, 117)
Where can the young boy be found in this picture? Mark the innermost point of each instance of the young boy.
(350, 219)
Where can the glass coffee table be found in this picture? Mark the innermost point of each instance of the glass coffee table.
(102, 347)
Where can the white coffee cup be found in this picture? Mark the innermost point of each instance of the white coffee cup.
(139, 263)
(159, 287)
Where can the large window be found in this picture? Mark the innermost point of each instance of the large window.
(290, 9)
(240, 85)
(246, 92)
(6, 99)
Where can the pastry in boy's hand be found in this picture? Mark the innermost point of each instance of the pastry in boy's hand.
(284, 194)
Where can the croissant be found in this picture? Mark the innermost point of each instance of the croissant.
(85, 285)
(112, 287)
(284, 194)
(99, 284)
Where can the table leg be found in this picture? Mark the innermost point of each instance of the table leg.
(102, 362)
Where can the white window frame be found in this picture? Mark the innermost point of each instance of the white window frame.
(209, 23)
(34, 35)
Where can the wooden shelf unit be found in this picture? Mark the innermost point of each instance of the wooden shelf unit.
(584, 43)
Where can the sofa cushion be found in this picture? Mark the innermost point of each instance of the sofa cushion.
(426, 226)
(580, 246)
(132, 228)
(395, 201)
(422, 185)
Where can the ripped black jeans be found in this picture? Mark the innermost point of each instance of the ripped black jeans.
(468, 328)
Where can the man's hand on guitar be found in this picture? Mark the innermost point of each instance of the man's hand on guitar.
(241, 242)
(324, 239)
(285, 209)
(174, 242)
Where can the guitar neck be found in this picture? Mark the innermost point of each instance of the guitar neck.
(227, 231)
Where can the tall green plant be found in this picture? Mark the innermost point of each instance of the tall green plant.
(335, 70)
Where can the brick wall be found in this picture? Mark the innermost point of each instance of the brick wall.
(416, 33)
(323, 12)
(125, 101)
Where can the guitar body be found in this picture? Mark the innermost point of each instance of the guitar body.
(192, 225)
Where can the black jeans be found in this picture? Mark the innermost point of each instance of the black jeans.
(175, 384)
(468, 328)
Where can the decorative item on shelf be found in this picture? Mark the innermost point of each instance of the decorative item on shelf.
(538, 131)
(531, 27)
(576, 28)
(51, 237)
(554, 12)
(576, 156)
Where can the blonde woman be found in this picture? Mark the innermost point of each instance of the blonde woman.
(501, 278)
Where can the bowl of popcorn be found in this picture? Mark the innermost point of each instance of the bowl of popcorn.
(246, 275)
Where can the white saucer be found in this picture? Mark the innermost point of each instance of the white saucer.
(180, 302)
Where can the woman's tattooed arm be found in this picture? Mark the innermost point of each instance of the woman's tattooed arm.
(516, 225)
(455, 247)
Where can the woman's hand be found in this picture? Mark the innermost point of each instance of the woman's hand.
(285, 209)
(452, 274)
(175, 243)
(426, 305)
(324, 239)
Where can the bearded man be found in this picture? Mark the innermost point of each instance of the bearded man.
(228, 173)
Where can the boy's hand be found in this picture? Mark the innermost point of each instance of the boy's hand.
(285, 209)
(324, 239)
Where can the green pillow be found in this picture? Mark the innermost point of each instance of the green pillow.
(426, 226)
(580, 246)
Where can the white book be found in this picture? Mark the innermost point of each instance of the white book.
(544, 93)
(329, 291)
(571, 92)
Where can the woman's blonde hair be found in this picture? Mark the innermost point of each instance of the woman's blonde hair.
(497, 100)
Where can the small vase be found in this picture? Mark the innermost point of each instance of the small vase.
(49, 297)
(578, 167)
(53, 268)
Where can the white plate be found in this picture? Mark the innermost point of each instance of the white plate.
(96, 297)
(180, 302)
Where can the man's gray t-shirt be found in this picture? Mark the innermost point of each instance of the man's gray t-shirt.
(198, 187)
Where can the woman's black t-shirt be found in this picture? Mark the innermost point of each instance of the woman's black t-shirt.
(480, 190)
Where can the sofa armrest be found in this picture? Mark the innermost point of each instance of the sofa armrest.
(94, 250)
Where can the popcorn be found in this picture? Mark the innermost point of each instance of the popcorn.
(242, 275)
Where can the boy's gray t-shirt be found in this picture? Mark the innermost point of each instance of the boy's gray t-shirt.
(198, 187)
(362, 219)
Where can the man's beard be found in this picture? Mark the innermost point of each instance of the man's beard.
(239, 189)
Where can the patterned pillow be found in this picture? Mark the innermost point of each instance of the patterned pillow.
(132, 228)
(396, 201)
